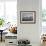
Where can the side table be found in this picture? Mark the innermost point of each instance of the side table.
(1, 34)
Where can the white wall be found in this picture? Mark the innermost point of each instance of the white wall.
(30, 31)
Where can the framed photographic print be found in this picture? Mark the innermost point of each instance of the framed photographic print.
(27, 17)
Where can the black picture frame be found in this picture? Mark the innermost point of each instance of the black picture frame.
(27, 17)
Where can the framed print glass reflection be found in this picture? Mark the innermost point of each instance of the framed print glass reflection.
(27, 17)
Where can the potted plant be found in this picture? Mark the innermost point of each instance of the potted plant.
(1, 22)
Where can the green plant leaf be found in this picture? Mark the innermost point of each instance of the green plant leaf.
(1, 21)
